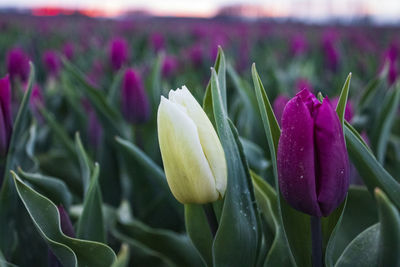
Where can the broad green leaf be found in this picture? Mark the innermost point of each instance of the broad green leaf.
(122, 257)
(53, 188)
(91, 225)
(175, 249)
(84, 162)
(8, 195)
(362, 251)
(355, 219)
(255, 156)
(113, 93)
(239, 203)
(132, 151)
(341, 105)
(70, 251)
(59, 131)
(389, 241)
(385, 121)
(154, 87)
(267, 200)
(199, 232)
(371, 171)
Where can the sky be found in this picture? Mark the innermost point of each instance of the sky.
(384, 9)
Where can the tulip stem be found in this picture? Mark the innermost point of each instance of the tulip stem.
(211, 218)
(316, 239)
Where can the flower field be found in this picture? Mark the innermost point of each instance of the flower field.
(198, 142)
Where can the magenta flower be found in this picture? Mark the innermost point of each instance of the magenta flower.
(157, 42)
(279, 105)
(69, 51)
(348, 111)
(313, 165)
(134, 101)
(18, 64)
(119, 53)
(94, 128)
(298, 45)
(5, 115)
(195, 54)
(331, 52)
(52, 62)
(169, 66)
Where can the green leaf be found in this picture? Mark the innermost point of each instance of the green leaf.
(199, 232)
(113, 93)
(59, 131)
(91, 225)
(385, 121)
(341, 105)
(84, 162)
(55, 189)
(267, 200)
(362, 251)
(8, 195)
(239, 204)
(372, 172)
(389, 241)
(355, 219)
(220, 68)
(110, 117)
(255, 155)
(122, 257)
(70, 251)
(174, 249)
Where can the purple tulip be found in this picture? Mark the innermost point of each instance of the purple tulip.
(157, 42)
(348, 111)
(52, 62)
(36, 102)
(119, 53)
(279, 105)
(5, 115)
(330, 51)
(18, 64)
(298, 45)
(195, 54)
(94, 128)
(135, 105)
(169, 66)
(313, 165)
(69, 51)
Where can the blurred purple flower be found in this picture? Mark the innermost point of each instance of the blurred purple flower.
(18, 64)
(279, 105)
(69, 51)
(313, 165)
(5, 115)
(331, 53)
(52, 62)
(134, 101)
(195, 54)
(36, 102)
(303, 83)
(157, 42)
(94, 128)
(119, 53)
(298, 45)
(169, 66)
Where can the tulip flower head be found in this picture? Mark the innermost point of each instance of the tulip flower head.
(193, 157)
(69, 51)
(5, 115)
(118, 53)
(52, 62)
(313, 165)
(135, 104)
(18, 64)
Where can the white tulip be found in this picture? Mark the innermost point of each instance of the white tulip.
(193, 157)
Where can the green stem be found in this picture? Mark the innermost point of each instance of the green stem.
(211, 218)
(316, 239)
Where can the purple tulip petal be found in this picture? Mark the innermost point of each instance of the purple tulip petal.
(332, 169)
(296, 158)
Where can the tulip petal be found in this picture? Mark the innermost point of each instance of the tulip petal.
(333, 168)
(209, 140)
(188, 172)
(295, 159)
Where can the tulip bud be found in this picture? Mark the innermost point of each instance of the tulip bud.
(169, 66)
(313, 165)
(194, 161)
(51, 62)
(69, 51)
(18, 64)
(157, 42)
(5, 115)
(118, 53)
(135, 105)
